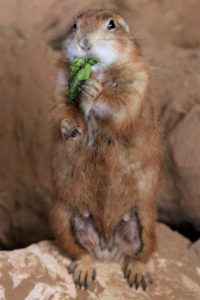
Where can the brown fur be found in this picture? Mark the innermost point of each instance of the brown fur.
(114, 163)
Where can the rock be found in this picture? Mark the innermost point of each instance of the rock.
(40, 272)
(196, 247)
(185, 147)
(25, 188)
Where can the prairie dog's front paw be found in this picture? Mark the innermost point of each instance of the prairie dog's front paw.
(90, 91)
(83, 271)
(138, 275)
(69, 129)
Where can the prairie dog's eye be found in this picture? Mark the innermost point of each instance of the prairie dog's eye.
(111, 25)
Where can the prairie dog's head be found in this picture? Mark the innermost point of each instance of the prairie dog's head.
(99, 33)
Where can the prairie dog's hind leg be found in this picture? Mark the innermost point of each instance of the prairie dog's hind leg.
(136, 238)
(83, 266)
(85, 232)
(128, 234)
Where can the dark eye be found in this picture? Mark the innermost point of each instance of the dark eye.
(74, 27)
(111, 25)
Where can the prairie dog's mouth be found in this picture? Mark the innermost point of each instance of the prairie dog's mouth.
(106, 53)
(99, 66)
(89, 53)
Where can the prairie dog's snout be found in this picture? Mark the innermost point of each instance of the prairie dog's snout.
(85, 43)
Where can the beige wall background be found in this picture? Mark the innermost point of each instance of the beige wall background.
(168, 31)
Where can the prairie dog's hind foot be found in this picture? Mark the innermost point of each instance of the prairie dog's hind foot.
(69, 129)
(83, 271)
(138, 275)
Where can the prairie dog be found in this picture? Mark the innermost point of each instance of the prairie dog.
(106, 158)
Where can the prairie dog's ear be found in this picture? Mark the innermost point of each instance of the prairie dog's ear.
(124, 24)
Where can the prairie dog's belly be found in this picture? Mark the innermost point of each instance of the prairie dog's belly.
(125, 237)
(101, 169)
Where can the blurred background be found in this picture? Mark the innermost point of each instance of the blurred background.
(30, 36)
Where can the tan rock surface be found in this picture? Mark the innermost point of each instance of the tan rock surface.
(196, 247)
(185, 145)
(39, 272)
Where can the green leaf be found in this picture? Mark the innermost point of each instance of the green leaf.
(80, 70)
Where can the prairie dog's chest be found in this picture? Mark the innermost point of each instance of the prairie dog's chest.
(92, 126)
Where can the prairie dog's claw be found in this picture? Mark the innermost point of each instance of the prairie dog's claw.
(69, 129)
(83, 271)
(137, 275)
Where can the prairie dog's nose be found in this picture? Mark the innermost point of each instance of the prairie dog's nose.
(85, 44)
